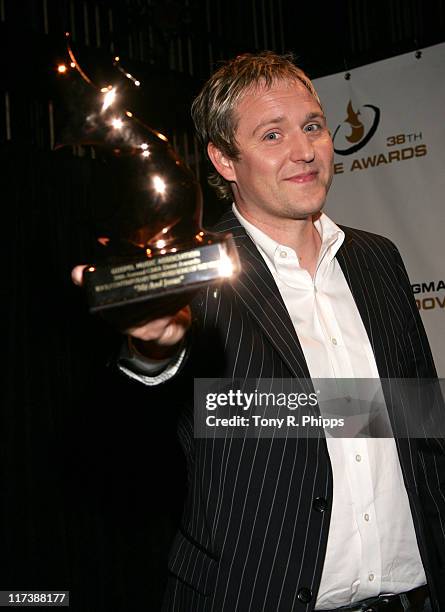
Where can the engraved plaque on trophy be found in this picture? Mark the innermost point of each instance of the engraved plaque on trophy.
(153, 254)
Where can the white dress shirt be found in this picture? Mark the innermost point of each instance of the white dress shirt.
(372, 547)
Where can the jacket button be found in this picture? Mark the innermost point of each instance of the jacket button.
(304, 595)
(320, 504)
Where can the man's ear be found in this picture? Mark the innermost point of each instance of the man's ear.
(223, 164)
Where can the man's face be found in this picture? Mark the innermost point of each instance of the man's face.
(285, 160)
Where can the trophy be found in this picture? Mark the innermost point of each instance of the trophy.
(153, 255)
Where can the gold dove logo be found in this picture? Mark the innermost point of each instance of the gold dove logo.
(353, 131)
(357, 127)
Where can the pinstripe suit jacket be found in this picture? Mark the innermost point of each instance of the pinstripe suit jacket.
(256, 518)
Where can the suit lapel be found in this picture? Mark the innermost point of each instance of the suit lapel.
(368, 295)
(256, 289)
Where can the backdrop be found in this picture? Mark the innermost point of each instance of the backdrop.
(387, 120)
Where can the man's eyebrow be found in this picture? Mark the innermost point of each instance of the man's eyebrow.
(315, 115)
(268, 121)
(281, 118)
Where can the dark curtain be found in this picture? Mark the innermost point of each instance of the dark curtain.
(92, 478)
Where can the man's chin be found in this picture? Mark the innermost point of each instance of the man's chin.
(308, 212)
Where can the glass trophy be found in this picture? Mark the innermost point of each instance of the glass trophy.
(153, 254)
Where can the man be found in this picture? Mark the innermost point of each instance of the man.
(295, 524)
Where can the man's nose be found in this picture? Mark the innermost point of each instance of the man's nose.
(301, 147)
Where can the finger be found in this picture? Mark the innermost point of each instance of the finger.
(176, 329)
(166, 330)
(150, 331)
(77, 275)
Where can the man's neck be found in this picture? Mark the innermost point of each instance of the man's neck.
(298, 234)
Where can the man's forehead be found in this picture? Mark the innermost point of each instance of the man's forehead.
(262, 94)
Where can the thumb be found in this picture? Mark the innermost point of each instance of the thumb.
(77, 275)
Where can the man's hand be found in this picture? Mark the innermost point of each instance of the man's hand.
(156, 339)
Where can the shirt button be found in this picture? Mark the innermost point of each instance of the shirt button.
(366, 517)
(371, 577)
(334, 341)
(358, 458)
(283, 254)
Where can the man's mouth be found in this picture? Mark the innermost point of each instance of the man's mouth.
(304, 177)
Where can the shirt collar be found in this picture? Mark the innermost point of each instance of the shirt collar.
(331, 236)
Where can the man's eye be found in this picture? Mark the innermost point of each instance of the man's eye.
(272, 136)
(313, 127)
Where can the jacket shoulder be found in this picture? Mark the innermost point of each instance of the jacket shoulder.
(366, 239)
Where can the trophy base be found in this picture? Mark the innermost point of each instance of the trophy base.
(133, 291)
